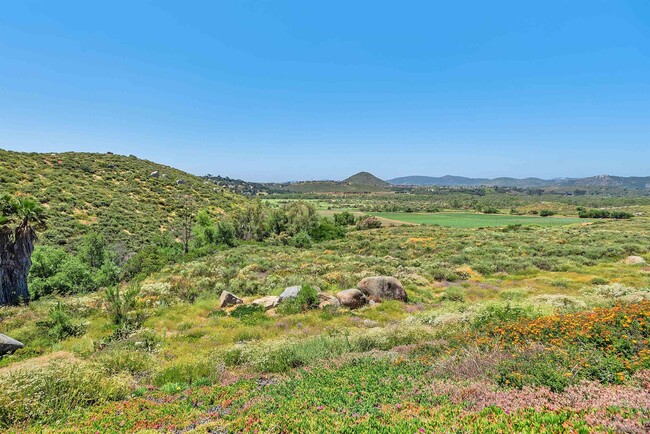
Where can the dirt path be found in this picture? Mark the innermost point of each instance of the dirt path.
(38, 361)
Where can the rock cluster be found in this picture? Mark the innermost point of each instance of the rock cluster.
(369, 291)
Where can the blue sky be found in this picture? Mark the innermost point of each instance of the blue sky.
(284, 90)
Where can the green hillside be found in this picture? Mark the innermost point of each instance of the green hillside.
(113, 194)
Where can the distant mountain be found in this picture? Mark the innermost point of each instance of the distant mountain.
(515, 182)
(366, 178)
(636, 182)
(443, 181)
(641, 182)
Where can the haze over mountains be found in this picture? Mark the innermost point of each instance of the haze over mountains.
(593, 181)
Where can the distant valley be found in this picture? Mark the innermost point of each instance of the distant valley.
(365, 182)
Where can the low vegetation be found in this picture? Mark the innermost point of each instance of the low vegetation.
(510, 325)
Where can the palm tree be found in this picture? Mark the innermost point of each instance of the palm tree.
(30, 213)
(17, 246)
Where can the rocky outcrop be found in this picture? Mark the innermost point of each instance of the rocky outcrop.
(268, 302)
(351, 298)
(8, 345)
(155, 174)
(229, 299)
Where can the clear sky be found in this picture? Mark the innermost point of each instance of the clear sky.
(294, 90)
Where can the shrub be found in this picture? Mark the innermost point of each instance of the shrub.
(121, 303)
(301, 240)
(243, 310)
(173, 388)
(615, 290)
(599, 281)
(536, 368)
(454, 293)
(368, 223)
(514, 294)
(73, 277)
(187, 373)
(233, 356)
(604, 214)
(130, 361)
(499, 314)
(344, 218)
(250, 314)
(306, 299)
(546, 213)
(59, 324)
(326, 230)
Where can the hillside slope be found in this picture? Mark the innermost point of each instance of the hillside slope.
(114, 194)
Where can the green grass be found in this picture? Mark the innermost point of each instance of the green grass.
(474, 220)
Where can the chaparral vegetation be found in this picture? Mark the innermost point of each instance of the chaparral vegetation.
(157, 301)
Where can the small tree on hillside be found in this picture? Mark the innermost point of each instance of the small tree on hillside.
(187, 216)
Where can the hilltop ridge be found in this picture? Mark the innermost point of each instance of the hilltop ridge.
(639, 182)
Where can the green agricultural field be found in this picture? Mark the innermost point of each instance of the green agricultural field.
(475, 220)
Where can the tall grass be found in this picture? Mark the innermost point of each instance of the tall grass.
(52, 391)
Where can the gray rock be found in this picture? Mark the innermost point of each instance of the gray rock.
(351, 298)
(180, 182)
(155, 174)
(268, 302)
(229, 299)
(292, 292)
(382, 288)
(8, 345)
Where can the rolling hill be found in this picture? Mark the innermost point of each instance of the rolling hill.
(127, 199)
(366, 178)
(362, 182)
